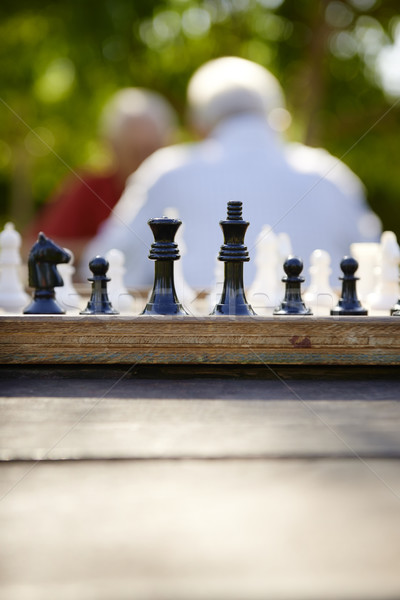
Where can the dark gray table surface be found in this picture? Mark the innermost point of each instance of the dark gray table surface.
(170, 483)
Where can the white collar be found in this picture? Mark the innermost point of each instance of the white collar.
(246, 129)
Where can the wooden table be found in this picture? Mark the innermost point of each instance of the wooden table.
(130, 472)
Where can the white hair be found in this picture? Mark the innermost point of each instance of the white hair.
(231, 85)
(136, 103)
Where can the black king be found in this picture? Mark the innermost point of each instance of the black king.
(233, 253)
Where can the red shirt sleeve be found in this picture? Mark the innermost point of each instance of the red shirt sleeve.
(80, 207)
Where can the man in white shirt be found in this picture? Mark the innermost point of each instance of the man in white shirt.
(302, 191)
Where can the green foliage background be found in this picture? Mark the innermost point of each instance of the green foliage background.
(60, 60)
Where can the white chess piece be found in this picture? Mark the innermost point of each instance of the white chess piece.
(216, 290)
(284, 249)
(367, 256)
(66, 295)
(386, 292)
(320, 296)
(265, 292)
(186, 294)
(119, 296)
(12, 295)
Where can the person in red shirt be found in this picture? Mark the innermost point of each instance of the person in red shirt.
(135, 123)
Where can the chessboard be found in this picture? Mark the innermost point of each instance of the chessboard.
(100, 329)
(229, 340)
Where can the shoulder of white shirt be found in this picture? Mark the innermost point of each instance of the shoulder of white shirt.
(161, 162)
(321, 163)
(303, 159)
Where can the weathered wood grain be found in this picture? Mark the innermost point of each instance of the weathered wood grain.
(191, 340)
(134, 423)
(69, 413)
(228, 488)
(200, 530)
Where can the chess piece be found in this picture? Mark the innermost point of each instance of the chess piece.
(284, 249)
(349, 304)
(12, 295)
(184, 291)
(366, 254)
(67, 296)
(233, 253)
(292, 303)
(218, 284)
(266, 289)
(164, 251)
(395, 310)
(43, 259)
(386, 290)
(320, 295)
(99, 303)
(119, 296)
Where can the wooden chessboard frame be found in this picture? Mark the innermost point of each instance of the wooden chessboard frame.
(54, 339)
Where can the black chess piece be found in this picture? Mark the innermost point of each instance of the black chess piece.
(99, 303)
(233, 253)
(349, 304)
(395, 310)
(292, 303)
(43, 259)
(164, 251)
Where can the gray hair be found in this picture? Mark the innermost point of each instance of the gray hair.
(136, 103)
(231, 85)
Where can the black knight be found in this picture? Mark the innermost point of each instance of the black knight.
(43, 259)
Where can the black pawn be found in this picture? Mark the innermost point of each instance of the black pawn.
(233, 253)
(292, 303)
(99, 304)
(349, 304)
(164, 251)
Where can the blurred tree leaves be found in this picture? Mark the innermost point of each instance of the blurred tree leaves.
(61, 60)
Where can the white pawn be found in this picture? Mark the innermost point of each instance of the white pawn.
(12, 295)
(66, 295)
(185, 293)
(367, 256)
(265, 292)
(320, 295)
(284, 249)
(386, 291)
(216, 291)
(118, 295)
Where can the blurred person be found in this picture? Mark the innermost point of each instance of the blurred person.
(238, 107)
(134, 123)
